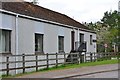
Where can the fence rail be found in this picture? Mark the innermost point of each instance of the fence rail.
(87, 57)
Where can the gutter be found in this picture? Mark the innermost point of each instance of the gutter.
(46, 21)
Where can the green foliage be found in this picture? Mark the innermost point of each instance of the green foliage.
(110, 19)
(107, 29)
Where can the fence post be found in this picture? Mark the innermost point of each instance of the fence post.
(36, 63)
(97, 56)
(91, 57)
(107, 57)
(56, 60)
(23, 58)
(111, 55)
(47, 60)
(118, 55)
(64, 58)
(71, 57)
(78, 58)
(7, 65)
(94, 57)
(85, 57)
(104, 58)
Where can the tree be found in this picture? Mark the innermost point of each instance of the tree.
(110, 19)
(107, 29)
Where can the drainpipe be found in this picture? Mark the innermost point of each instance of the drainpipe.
(16, 41)
(78, 35)
(78, 42)
(16, 32)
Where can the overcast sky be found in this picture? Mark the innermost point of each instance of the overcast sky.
(81, 10)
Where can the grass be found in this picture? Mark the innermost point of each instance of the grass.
(68, 66)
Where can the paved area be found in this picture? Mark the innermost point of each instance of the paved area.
(111, 74)
(79, 72)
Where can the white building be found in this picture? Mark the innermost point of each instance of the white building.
(28, 28)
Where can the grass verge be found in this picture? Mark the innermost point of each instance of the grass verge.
(68, 66)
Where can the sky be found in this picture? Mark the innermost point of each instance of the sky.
(81, 10)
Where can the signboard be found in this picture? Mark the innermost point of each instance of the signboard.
(94, 40)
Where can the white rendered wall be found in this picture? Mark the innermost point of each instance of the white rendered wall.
(26, 36)
(61, 31)
(51, 33)
(39, 27)
(67, 40)
(7, 21)
(50, 38)
(90, 48)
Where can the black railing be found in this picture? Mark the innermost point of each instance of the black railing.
(80, 47)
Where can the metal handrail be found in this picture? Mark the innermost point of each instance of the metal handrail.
(79, 45)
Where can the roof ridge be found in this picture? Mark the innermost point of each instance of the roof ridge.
(53, 11)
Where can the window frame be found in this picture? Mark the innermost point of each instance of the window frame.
(62, 47)
(7, 34)
(81, 37)
(91, 39)
(38, 51)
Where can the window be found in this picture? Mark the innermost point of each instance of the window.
(5, 41)
(90, 39)
(38, 42)
(81, 37)
(61, 43)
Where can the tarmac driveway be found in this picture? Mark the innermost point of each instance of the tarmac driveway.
(77, 72)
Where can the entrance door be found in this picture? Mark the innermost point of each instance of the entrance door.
(72, 40)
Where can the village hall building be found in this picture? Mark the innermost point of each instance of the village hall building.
(31, 29)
